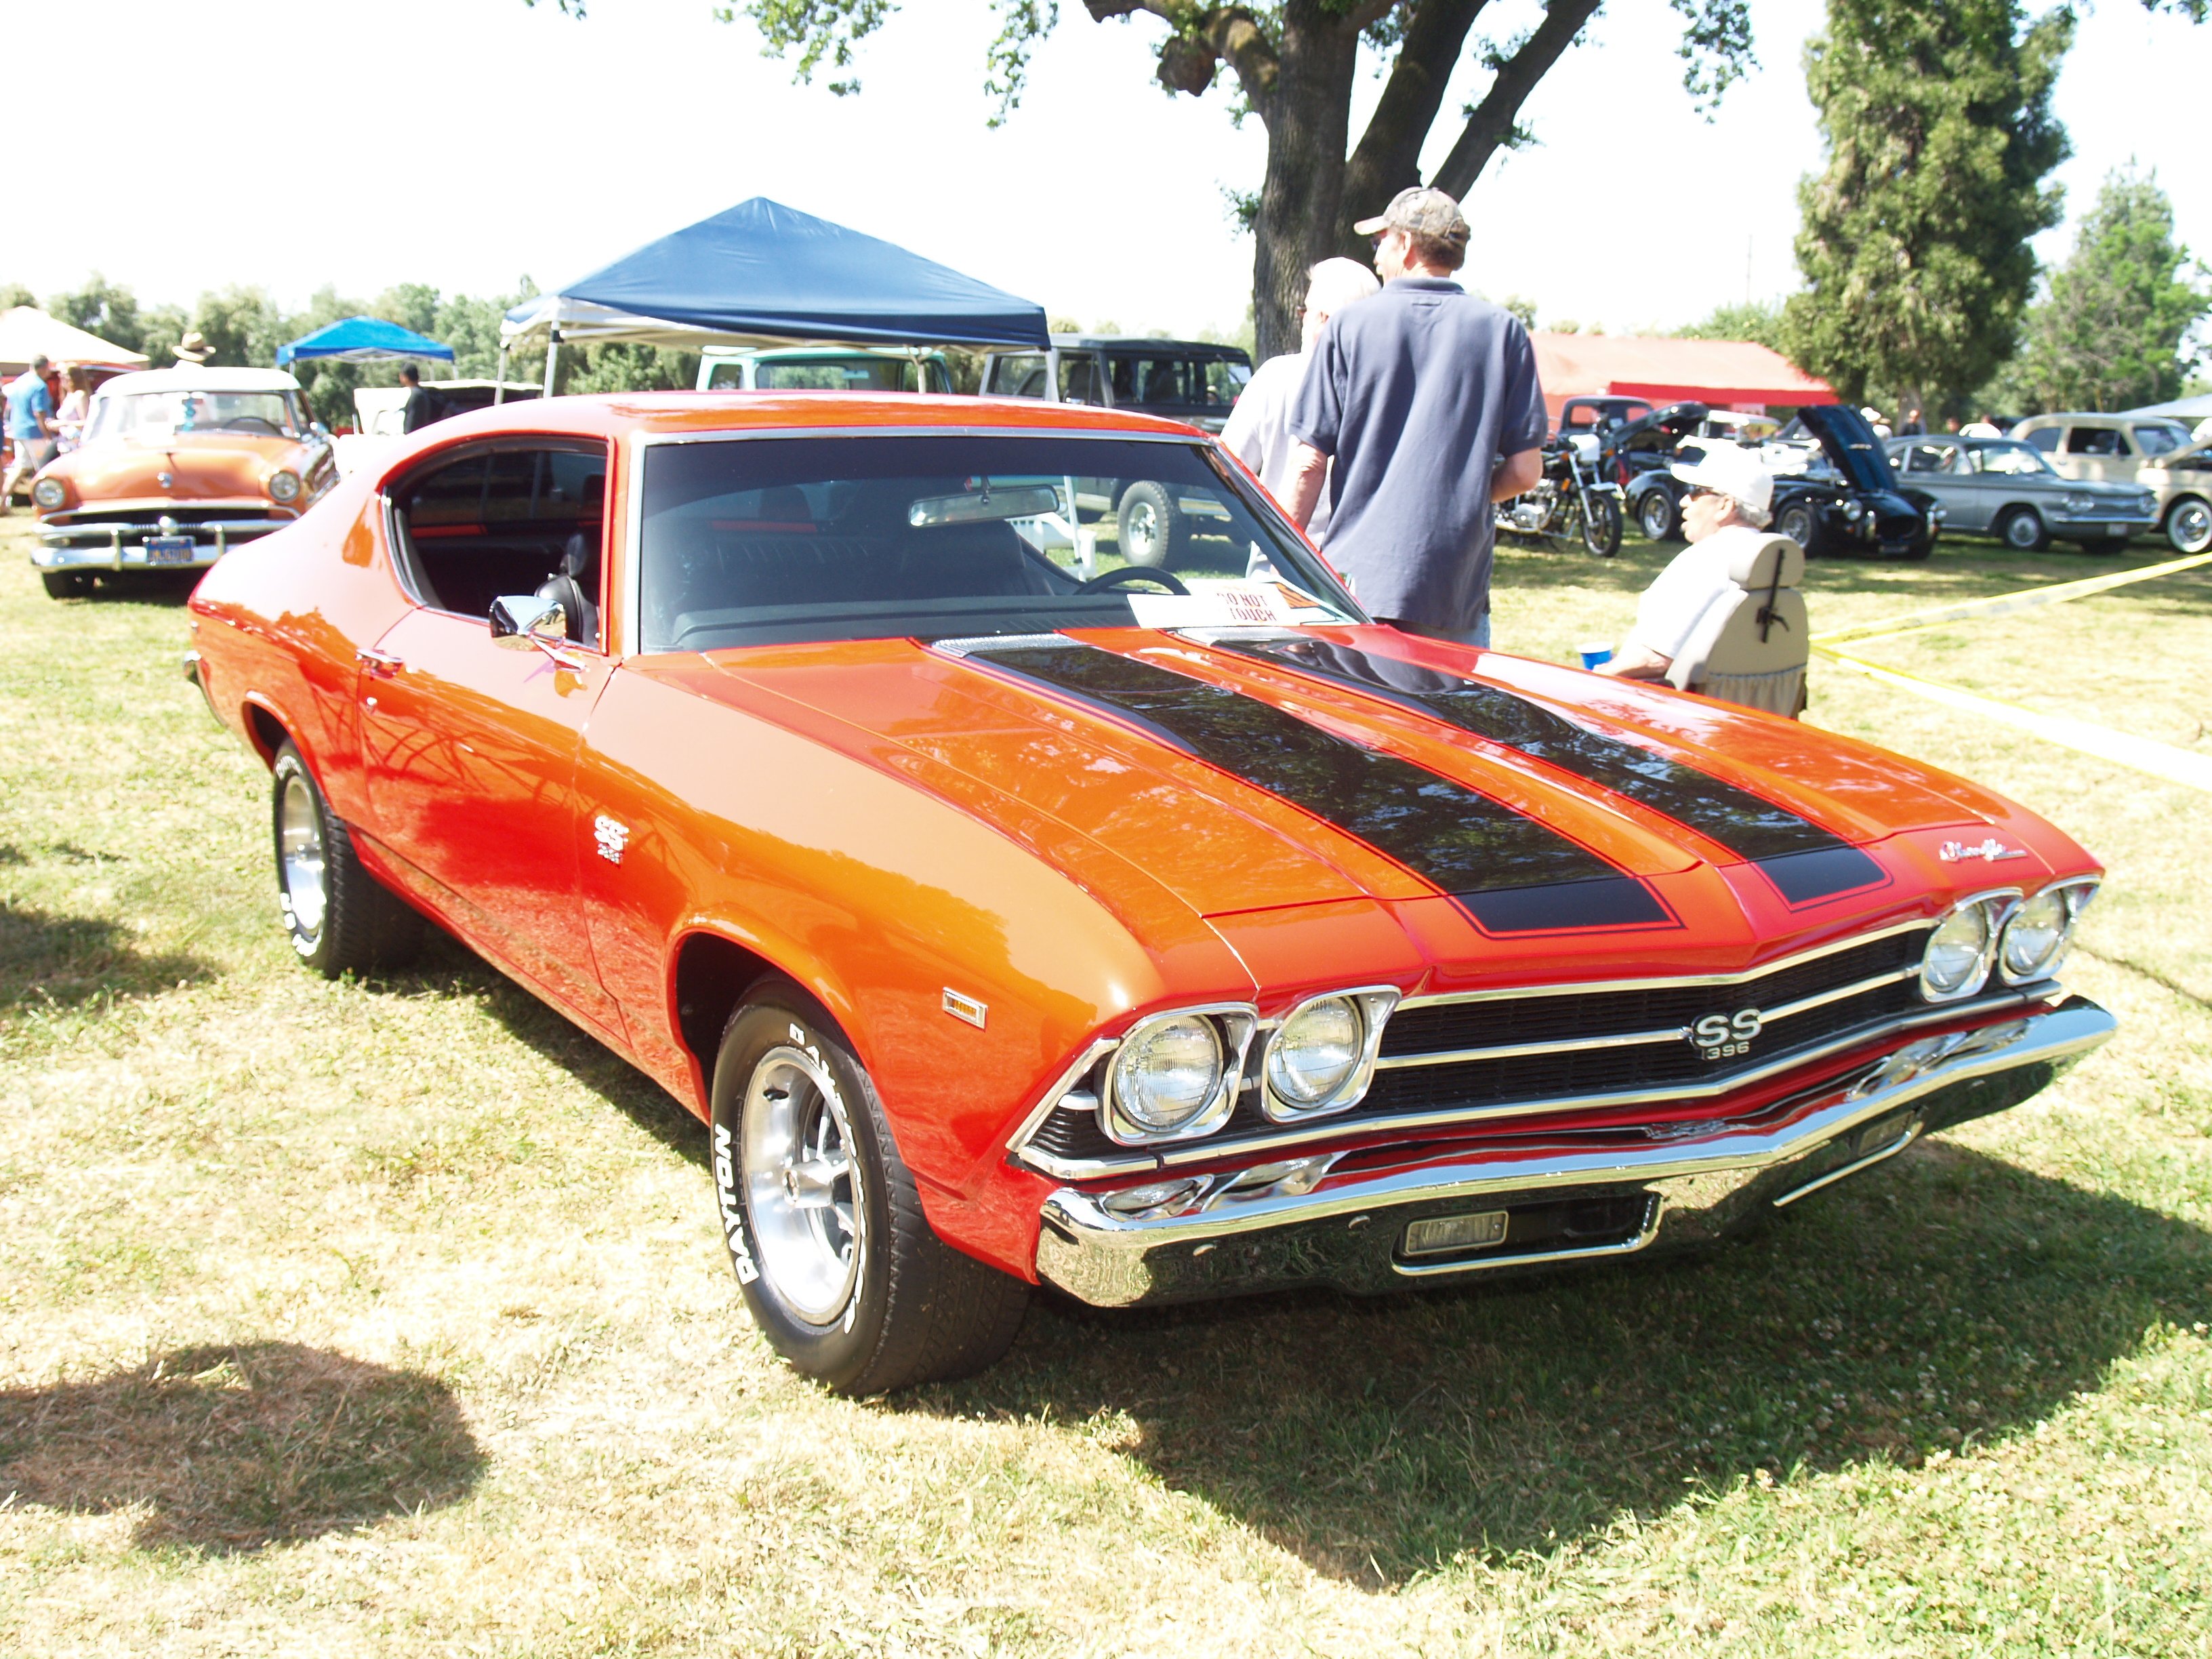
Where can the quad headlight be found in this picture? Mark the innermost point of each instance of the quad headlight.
(48, 494)
(1956, 962)
(1322, 1057)
(284, 485)
(1175, 1075)
(2037, 934)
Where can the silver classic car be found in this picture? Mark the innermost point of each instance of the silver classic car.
(2003, 487)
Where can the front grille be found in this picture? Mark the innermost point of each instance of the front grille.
(1480, 1084)
(185, 516)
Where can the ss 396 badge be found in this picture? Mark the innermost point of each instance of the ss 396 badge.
(1719, 1036)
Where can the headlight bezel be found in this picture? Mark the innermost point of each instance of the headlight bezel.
(1234, 1024)
(40, 489)
(1998, 904)
(1373, 1005)
(281, 496)
(2075, 892)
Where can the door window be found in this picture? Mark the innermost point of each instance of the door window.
(2044, 439)
(1080, 380)
(508, 520)
(2093, 440)
(1931, 458)
(1018, 374)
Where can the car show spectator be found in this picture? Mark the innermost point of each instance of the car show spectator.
(423, 406)
(1258, 432)
(1427, 399)
(1729, 491)
(30, 429)
(1985, 428)
(1911, 426)
(76, 405)
(1877, 420)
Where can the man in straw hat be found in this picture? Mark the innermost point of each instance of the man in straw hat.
(1426, 399)
(193, 351)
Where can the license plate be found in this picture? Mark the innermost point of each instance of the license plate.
(170, 550)
(1455, 1232)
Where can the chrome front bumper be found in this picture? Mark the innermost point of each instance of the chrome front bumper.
(1342, 1219)
(96, 546)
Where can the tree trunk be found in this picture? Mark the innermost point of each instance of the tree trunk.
(1302, 200)
(1389, 155)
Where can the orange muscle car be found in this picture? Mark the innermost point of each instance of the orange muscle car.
(176, 467)
(1008, 919)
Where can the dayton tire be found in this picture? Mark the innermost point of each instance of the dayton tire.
(341, 918)
(820, 1214)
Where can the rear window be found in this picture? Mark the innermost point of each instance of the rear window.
(2044, 439)
(1172, 381)
(765, 541)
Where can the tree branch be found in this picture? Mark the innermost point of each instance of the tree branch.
(1491, 122)
(1389, 156)
(1204, 37)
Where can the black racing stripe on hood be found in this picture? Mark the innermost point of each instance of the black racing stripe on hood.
(1805, 862)
(1510, 873)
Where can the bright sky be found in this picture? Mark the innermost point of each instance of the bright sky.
(463, 142)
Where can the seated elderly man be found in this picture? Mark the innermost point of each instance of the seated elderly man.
(1726, 506)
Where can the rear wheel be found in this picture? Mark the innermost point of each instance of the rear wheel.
(2189, 526)
(822, 1220)
(1152, 531)
(2023, 530)
(342, 919)
(65, 584)
(1601, 527)
(1658, 517)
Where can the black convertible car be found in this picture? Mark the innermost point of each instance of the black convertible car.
(1845, 497)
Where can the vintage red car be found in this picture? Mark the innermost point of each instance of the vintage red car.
(1153, 938)
(176, 467)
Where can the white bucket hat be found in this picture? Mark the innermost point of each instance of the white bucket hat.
(1732, 471)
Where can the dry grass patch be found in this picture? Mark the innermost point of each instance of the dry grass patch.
(390, 1318)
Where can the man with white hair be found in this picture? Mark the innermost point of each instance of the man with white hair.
(1727, 501)
(1259, 429)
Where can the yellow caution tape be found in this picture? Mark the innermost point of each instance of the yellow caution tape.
(2002, 605)
(2161, 760)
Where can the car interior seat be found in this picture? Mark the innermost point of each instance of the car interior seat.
(1752, 644)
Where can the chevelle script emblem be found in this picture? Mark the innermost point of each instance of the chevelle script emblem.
(1718, 1036)
(1952, 852)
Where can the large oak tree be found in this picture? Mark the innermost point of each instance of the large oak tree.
(1292, 64)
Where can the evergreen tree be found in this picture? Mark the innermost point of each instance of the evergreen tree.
(2109, 333)
(1915, 251)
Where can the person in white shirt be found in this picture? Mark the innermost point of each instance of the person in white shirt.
(1985, 428)
(1730, 491)
(1258, 433)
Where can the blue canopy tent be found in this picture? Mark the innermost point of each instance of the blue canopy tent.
(763, 271)
(363, 340)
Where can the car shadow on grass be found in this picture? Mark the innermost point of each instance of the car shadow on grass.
(1954, 1299)
(48, 960)
(235, 1448)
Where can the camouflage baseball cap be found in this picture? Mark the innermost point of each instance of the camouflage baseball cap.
(1425, 212)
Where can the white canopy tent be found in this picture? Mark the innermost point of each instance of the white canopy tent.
(27, 334)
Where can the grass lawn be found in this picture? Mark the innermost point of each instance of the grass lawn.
(391, 1318)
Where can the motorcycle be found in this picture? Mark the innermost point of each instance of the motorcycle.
(1572, 505)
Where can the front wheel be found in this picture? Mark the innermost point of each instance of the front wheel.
(2023, 530)
(1658, 516)
(342, 919)
(822, 1220)
(1601, 527)
(1151, 526)
(2189, 526)
(1798, 522)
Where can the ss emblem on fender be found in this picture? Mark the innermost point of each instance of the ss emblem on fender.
(1718, 1036)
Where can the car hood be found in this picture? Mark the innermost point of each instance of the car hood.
(1672, 420)
(1852, 446)
(1353, 764)
(201, 465)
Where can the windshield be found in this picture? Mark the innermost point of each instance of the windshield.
(2012, 461)
(1170, 380)
(771, 540)
(161, 415)
(2157, 437)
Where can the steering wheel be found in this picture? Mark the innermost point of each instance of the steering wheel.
(273, 429)
(1108, 580)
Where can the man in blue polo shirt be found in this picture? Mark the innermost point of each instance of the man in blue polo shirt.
(1427, 399)
(30, 428)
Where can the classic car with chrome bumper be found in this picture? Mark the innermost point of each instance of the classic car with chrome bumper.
(152, 540)
(1528, 1200)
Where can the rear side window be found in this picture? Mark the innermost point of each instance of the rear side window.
(2093, 440)
(1079, 379)
(1019, 374)
(726, 377)
(2044, 439)
(1929, 458)
(503, 521)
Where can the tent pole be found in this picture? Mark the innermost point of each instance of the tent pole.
(552, 356)
(499, 386)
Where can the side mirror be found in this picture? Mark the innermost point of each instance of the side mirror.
(522, 622)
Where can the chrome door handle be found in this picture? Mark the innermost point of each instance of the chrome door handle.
(382, 664)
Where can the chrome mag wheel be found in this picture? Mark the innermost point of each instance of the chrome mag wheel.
(300, 861)
(803, 1186)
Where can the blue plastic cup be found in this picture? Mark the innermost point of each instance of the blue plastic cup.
(1595, 652)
